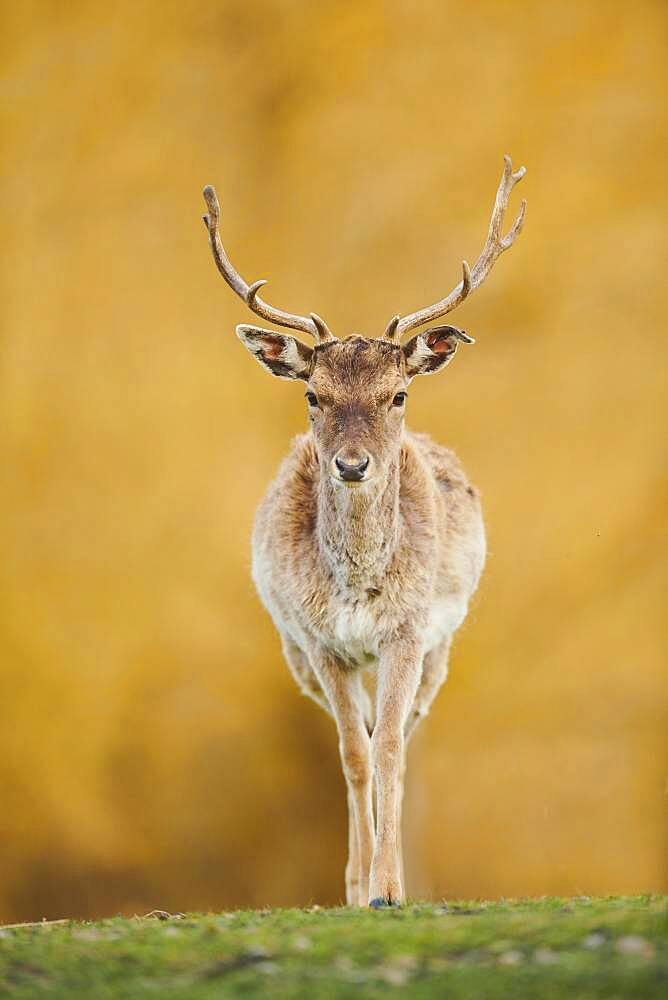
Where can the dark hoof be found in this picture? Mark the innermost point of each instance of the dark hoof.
(380, 903)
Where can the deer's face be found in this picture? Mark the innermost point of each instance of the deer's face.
(356, 392)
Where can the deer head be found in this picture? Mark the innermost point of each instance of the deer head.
(356, 388)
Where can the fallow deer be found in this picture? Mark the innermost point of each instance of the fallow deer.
(370, 541)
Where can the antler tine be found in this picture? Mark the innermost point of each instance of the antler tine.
(391, 330)
(473, 277)
(324, 333)
(314, 326)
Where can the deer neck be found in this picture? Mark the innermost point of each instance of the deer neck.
(358, 528)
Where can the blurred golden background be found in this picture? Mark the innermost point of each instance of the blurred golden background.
(153, 748)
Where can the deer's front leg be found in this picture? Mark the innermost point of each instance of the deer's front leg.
(353, 864)
(342, 687)
(399, 675)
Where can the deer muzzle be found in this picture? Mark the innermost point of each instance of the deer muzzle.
(351, 468)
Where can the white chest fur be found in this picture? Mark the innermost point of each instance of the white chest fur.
(355, 631)
(357, 627)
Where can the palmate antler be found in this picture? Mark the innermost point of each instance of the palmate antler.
(472, 277)
(313, 325)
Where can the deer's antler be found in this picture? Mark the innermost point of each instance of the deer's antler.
(313, 325)
(473, 277)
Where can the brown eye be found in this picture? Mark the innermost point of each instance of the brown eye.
(312, 399)
(399, 399)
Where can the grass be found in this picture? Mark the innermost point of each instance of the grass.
(548, 948)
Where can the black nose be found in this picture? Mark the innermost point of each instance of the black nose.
(354, 472)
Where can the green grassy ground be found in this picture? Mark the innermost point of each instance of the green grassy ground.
(549, 948)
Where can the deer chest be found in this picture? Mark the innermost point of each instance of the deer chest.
(355, 629)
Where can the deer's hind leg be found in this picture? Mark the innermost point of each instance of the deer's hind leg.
(304, 674)
(434, 674)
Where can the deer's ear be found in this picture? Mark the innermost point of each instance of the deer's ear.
(279, 354)
(431, 350)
